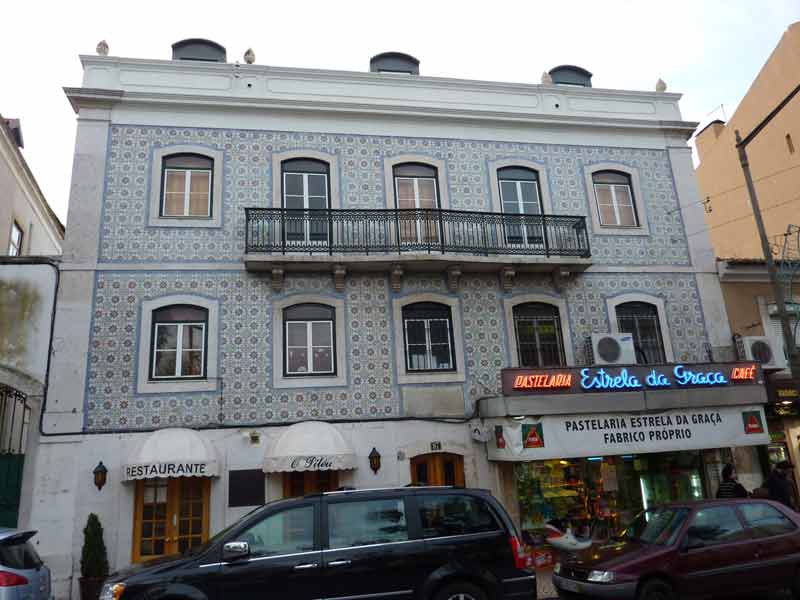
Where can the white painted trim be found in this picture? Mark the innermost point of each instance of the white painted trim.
(143, 383)
(332, 160)
(638, 200)
(441, 177)
(612, 303)
(281, 381)
(157, 175)
(404, 377)
(563, 314)
(541, 170)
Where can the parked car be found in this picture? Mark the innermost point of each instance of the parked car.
(709, 549)
(418, 543)
(23, 575)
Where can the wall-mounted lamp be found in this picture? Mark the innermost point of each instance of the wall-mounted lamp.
(374, 460)
(100, 473)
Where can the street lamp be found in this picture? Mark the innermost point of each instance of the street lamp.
(100, 472)
(374, 460)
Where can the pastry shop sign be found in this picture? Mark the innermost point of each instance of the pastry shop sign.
(630, 378)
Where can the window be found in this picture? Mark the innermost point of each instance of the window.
(428, 330)
(15, 241)
(286, 532)
(454, 515)
(416, 190)
(658, 526)
(179, 342)
(641, 320)
(367, 522)
(309, 338)
(538, 332)
(713, 526)
(519, 195)
(305, 188)
(615, 203)
(187, 186)
(19, 554)
(246, 487)
(765, 520)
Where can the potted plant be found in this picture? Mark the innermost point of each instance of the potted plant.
(94, 559)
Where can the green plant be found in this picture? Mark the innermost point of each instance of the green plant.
(94, 558)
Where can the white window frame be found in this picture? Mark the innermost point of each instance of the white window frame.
(643, 227)
(179, 350)
(615, 204)
(418, 222)
(428, 344)
(390, 162)
(309, 348)
(186, 193)
(563, 317)
(525, 242)
(307, 224)
(666, 338)
(15, 248)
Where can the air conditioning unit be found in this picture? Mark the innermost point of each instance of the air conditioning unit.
(763, 350)
(613, 349)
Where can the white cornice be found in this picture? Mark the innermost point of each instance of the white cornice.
(733, 272)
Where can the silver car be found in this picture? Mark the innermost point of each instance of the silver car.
(23, 575)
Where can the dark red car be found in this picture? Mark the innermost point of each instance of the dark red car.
(710, 549)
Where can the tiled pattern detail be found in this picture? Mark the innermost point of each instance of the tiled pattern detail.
(245, 396)
(247, 182)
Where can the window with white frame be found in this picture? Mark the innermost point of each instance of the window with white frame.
(641, 320)
(179, 342)
(615, 203)
(776, 333)
(519, 195)
(428, 331)
(417, 196)
(538, 330)
(309, 339)
(15, 240)
(187, 186)
(306, 191)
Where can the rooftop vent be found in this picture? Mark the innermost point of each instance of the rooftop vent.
(394, 62)
(198, 49)
(571, 75)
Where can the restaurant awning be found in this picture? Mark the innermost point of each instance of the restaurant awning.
(309, 446)
(173, 452)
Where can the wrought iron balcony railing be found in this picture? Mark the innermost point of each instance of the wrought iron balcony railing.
(395, 231)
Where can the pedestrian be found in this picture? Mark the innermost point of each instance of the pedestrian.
(730, 486)
(779, 485)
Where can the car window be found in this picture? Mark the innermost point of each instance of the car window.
(366, 522)
(16, 555)
(765, 520)
(658, 526)
(286, 532)
(454, 515)
(713, 526)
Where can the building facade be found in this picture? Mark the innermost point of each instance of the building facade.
(278, 281)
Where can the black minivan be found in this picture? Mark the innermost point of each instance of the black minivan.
(420, 543)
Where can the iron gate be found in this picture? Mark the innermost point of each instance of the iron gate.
(14, 420)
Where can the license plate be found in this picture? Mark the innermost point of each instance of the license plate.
(570, 586)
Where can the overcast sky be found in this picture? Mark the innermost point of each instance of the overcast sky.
(709, 50)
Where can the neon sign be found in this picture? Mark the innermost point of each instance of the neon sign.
(744, 373)
(681, 375)
(603, 381)
(545, 380)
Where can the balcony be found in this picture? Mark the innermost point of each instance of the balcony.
(413, 240)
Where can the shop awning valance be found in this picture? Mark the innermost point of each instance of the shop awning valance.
(173, 452)
(309, 446)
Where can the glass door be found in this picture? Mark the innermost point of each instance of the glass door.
(420, 226)
(305, 196)
(521, 197)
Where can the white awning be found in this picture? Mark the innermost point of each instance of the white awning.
(310, 446)
(173, 452)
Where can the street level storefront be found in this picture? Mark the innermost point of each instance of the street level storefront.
(783, 418)
(590, 447)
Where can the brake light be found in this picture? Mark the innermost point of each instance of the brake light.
(522, 559)
(11, 579)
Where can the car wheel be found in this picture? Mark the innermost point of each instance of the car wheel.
(461, 590)
(656, 589)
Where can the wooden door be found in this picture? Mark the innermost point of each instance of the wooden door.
(170, 516)
(302, 483)
(440, 468)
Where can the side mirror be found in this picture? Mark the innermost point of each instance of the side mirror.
(235, 550)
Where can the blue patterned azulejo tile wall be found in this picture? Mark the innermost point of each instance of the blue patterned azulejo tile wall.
(125, 235)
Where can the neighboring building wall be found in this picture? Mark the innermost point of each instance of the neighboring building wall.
(773, 158)
(745, 304)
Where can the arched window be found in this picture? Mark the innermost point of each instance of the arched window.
(309, 339)
(538, 330)
(520, 195)
(416, 188)
(187, 186)
(179, 342)
(428, 331)
(306, 187)
(615, 203)
(641, 320)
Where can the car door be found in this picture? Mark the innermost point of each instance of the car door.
(777, 544)
(282, 559)
(715, 555)
(369, 549)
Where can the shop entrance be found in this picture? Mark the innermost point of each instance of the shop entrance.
(171, 516)
(440, 468)
(300, 483)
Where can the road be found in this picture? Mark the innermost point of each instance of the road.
(776, 596)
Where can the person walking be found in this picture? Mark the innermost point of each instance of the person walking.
(779, 485)
(730, 486)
